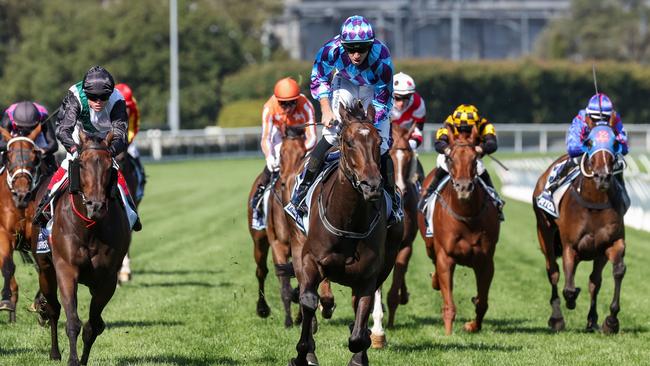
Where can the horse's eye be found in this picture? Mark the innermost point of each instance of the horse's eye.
(349, 143)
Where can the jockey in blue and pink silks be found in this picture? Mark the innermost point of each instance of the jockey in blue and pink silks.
(600, 109)
(352, 65)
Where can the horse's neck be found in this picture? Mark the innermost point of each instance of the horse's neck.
(588, 190)
(470, 207)
(339, 191)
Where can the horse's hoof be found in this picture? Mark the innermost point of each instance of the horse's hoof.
(263, 309)
(12, 316)
(592, 327)
(556, 324)
(288, 322)
(610, 325)
(123, 277)
(312, 360)
(474, 300)
(404, 297)
(295, 362)
(327, 309)
(359, 359)
(7, 305)
(570, 297)
(33, 307)
(472, 327)
(361, 342)
(377, 341)
(55, 356)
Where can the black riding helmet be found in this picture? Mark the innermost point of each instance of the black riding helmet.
(26, 116)
(98, 81)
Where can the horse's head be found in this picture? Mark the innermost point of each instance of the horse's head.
(402, 154)
(461, 162)
(600, 149)
(97, 178)
(292, 151)
(21, 161)
(359, 144)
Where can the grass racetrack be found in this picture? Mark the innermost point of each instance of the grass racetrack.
(193, 295)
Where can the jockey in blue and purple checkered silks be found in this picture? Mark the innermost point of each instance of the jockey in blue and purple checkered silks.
(353, 65)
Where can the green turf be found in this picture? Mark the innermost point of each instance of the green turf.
(192, 300)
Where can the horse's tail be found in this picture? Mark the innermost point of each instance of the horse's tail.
(285, 270)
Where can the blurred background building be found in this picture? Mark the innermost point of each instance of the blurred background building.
(452, 29)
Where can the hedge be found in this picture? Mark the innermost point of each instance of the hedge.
(516, 91)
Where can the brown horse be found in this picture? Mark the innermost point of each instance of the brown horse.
(277, 234)
(466, 230)
(22, 172)
(590, 227)
(403, 156)
(128, 170)
(90, 236)
(348, 241)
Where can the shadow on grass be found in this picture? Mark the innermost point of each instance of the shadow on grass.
(177, 272)
(182, 283)
(177, 360)
(14, 351)
(142, 323)
(451, 347)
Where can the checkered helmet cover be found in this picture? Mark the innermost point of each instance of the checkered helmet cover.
(357, 29)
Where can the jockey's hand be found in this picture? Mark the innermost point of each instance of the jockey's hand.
(413, 144)
(327, 118)
(479, 150)
(272, 164)
(447, 151)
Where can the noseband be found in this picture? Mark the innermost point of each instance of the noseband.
(23, 166)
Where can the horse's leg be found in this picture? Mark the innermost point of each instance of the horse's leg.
(556, 321)
(377, 334)
(445, 273)
(327, 299)
(615, 255)
(570, 263)
(360, 339)
(283, 270)
(484, 274)
(100, 295)
(14, 298)
(124, 275)
(67, 277)
(595, 280)
(397, 293)
(51, 310)
(260, 252)
(8, 268)
(309, 281)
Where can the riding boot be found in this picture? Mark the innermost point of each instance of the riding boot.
(297, 206)
(433, 185)
(498, 202)
(40, 218)
(388, 176)
(555, 181)
(261, 187)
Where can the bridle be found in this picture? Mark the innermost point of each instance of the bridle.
(450, 160)
(23, 166)
(112, 179)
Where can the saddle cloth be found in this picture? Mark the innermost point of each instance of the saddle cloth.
(553, 207)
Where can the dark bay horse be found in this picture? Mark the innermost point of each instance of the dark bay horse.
(277, 234)
(466, 230)
(130, 176)
(22, 173)
(403, 156)
(348, 240)
(90, 236)
(590, 227)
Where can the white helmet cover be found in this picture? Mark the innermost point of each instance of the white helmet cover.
(403, 84)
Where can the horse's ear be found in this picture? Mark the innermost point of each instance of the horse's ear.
(451, 131)
(6, 135)
(343, 112)
(474, 137)
(612, 120)
(32, 135)
(83, 138)
(371, 112)
(589, 121)
(109, 138)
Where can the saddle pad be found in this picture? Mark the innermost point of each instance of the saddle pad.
(330, 166)
(564, 187)
(430, 206)
(258, 221)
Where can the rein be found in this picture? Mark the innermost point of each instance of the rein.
(340, 232)
(89, 222)
(466, 219)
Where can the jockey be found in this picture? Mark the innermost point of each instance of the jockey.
(408, 108)
(599, 109)
(285, 108)
(133, 154)
(95, 107)
(21, 118)
(352, 65)
(463, 119)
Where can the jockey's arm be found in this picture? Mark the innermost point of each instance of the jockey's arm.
(267, 127)
(310, 128)
(488, 137)
(383, 100)
(48, 132)
(66, 125)
(321, 74)
(442, 140)
(574, 137)
(120, 123)
(621, 135)
(327, 115)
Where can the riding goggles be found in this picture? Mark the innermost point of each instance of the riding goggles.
(100, 97)
(357, 47)
(288, 103)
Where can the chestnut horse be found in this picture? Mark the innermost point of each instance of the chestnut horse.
(466, 229)
(403, 156)
(90, 236)
(22, 173)
(590, 227)
(348, 240)
(277, 234)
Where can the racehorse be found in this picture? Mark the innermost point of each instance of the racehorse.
(277, 234)
(128, 170)
(90, 236)
(348, 241)
(589, 227)
(466, 229)
(21, 174)
(402, 156)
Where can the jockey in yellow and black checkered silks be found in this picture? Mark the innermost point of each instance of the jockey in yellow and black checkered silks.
(462, 120)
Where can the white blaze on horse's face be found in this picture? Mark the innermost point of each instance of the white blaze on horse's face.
(364, 131)
(399, 167)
